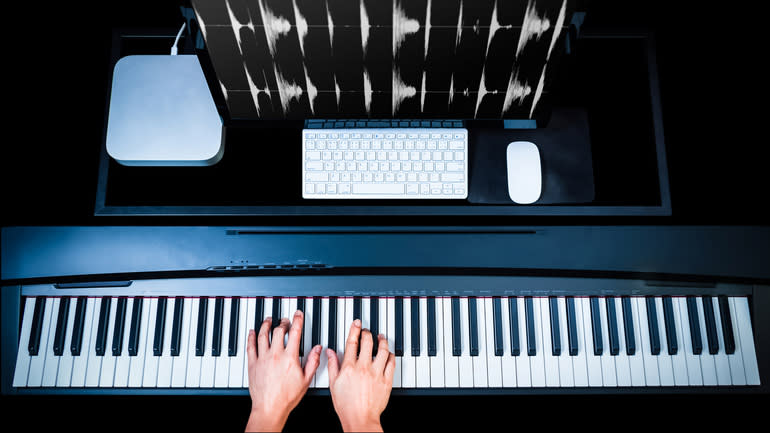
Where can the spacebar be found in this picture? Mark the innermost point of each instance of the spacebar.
(378, 188)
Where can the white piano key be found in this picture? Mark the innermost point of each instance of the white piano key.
(65, 363)
(694, 377)
(222, 363)
(322, 374)
(408, 362)
(93, 369)
(437, 362)
(707, 362)
(465, 361)
(179, 363)
(308, 335)
(609, 375)
(22, 356)
(136, 367)
(622, 364)
(523, 361)
(342, 325)
(451, 367)
(507, 361)
(365, 310)
(251, 307)
(665, 366)
(580, 362)
(236, 362)
(737, 372)
(566, 375)
(494, 363)
(288, 313)
(193, 373)
(651, 371)
(422, 363)
(107, 376)
(593, 362)
(537, 362)
(208, 362)
(551, 362)
(150, 376)
(347, 322)
(679, 359)
(51, 364)
(391, 334)
(123, 362)
(742, 322)
(724, 376)
(636, 361)
(383, 318)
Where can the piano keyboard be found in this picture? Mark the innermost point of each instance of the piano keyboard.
(439, 342)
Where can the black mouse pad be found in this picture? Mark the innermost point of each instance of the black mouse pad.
(565, 159)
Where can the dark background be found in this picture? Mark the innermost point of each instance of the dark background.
(56, 69)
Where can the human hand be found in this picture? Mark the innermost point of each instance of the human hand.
(277, 381)
(360, 387)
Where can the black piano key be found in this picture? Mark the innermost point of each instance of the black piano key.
(555, 331)
(104, 321)
(668, 319)
(612, 324)
(200, 334)
(628, 325)
(415, 301)
(37, 326)
(260, 313)
(572, 326)
(694, 319)
(473, 328)
(356, 307)
(316, 331)
(120, 324)
(216, 337)
(232, 340)
(277, 314)
(456, 338)
(497, 318)
(711, 325)
(431, 322)
(374, 321)
(176, 326)
(398, 344)
(652, 322)
(61, 326)
(596, 326)
(529, 310)
(301, 307)
(160, 326)
(332, 335)
(727, 324)
(77, 328)
(513, 317)
(136, 322)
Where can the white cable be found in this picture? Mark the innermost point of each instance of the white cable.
(178, 35)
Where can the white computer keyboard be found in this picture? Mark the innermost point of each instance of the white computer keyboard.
(385, 163)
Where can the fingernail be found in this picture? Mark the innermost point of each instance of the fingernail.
(269, 318)
(357, 322)
(381, 336)
(317, 349)
(298, 313)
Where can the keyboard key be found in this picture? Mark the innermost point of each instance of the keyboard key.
(219, 312)
(375, 188)
(357, 307)
(523, 367)
(636, 360)
(22, 356)
(513, 314)
(222, 362)
(579, 360)
(456, 327)
(508, 361)
(622, 362)
(451, 362)
(465, 361)
(481, 371)
(707, 361)
(422, 361)
(64, 376)
(566, 374)
(50, 360)
(609, 373)
(165, 360)
(678, 359)
(721, 359)
(136, 363)
(235, 314)
(431, 324)
(665, 365)
(104, 322)
(398, 345)
(743, 326)
(694, 376)
(238, 360)
(415, 325)
(151, 361)
(572, 326)
(737, 369)
(200, 334)
(497, 323)
(727, 325)
(644, 330)
(408, 361)
(120, 321)
(374, 321)
(79, 326)
(694, 325)
(316, 329)
(160, 326)
(42, 326)
(628, 326)
(276, 315)
(185, 345)
(332, 331)
(554, 325)
(473, 326)
(531, 343)
(537, 362)
(652, 321)
(668, 317)
(711, 328)
(176, 328)
(437, 367)
(612, 324)
(61, 328)
(596, 326)
(36, 329)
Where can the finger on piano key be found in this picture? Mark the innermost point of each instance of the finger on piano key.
(268, 311)
(251, 306)
(524, 360)
(374, 321)
(343, 326)
(291, 308)
(150, 377)
(423, 362)
(222, 364)
(665, 366)
(694, 377)
(322, 374)
(237, 361)
(123, 361)
(408, 361)
(589, 308)
(566, 375)
(508, 361)
(551, 362)
(107, 375)
(622, 362)
(437, 371)
(679, 359)
(136, 364)
(720, 358)
(579, 361)
(208, 361)
(366, 310)
(382, 316)
(193, 373)
(64, 376)
(21, 372)
(357, 308)
(94, 363)
(743, 322)
(187, 327)
(707, 361)
(38, 354)
(537, 362)
(391, 333)
(494, 363)
(51, 364)
(61, 325)
(166, 361)
(310, 319)
(737, 369)
(651, 374)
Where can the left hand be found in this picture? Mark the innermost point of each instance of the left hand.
(277, 381)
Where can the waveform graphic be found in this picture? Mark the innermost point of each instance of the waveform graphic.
(255, 90)
(459, 26)
(533, 26)
(427, 30)
(274, 26)
(337, 91)
(400, 90)
(286, 90)
(367, 92)
(422, 92)
(482, 91)
(559, 25)
(494, 26)
(312, 90)
(301, 24)
(538, 92)
(330, 23)
(237, 25)
(451, 89)
(402, 26)
(364, 27)
(224, 89)
(516, 91)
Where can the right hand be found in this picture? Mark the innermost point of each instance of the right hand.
(360, 387)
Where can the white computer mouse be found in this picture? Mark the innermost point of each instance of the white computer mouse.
(524, 174)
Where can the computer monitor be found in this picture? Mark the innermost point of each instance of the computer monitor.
(403, 59)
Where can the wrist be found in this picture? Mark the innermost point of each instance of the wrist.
(260, 420)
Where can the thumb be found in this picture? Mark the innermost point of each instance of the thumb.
(334, 366)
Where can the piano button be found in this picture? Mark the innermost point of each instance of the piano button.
(727, 325)
(120, 326)
(493, 364)
(222, 372)
(219, 311)
(107, 373)
(668, 317)
(437, 367)
(451, 367)
(332, 333)
(374, 321)
(316, 333)
(150, 374)
(530, 313)
(465, 361)
(65, 363)
(652, 322)
(50, 361)
(422, 363)
(133, 333)
(508, 361)
(136, 363)
(415, 325)
(36, 328)
(696, 342)
(651, 375)
(432, 328)
(694, 376)
(104, 321)
(737, 369)
(679, 359)
(609, 373)
(160, 326)
(237, 367)
(232, 339)
(537, 362)
(342, 325)
(628, 326)
(711, 328)
(94, 363)
(176, 328)
(390, 333)
(612, 324)
(513, 314)
(566, 375)
(707, 362)
(721, 360)
(622, 364)
(61, 326)
(456, 327)
(408, 361)
(166, 361)
(497, 323)
(596, 326)
(308, 338)
(200, 332)
(553, 303)
(193, 369)
(248, 324)
(356, 307)
(665, 366)
(579, 361)
(551, 362)
(187, 325)
(208, 361)
(636, 359)
(78, 327)
(398, 344)
(123, 360)
(740, 308)
(593, 361)
(322, 374)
